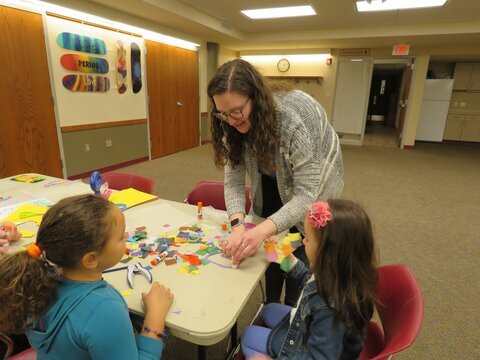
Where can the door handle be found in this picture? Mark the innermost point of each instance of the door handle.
(179, 103)
(375, 100)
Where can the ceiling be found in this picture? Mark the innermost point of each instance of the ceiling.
(336, 25)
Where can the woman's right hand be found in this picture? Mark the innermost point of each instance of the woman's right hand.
(233, 240)
(157, 301)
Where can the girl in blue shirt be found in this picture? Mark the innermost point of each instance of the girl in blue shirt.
(337, 300)
(55, 292)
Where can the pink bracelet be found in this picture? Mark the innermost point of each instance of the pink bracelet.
(160, 335)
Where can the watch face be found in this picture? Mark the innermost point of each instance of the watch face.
(283, 65)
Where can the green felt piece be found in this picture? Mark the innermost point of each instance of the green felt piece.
(285, 265)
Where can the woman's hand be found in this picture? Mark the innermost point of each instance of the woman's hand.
(251, 240)
(9, 231)
(233, 239)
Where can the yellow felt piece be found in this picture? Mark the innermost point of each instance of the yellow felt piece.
(27, 212)
(195, 272)
(134, 246)
(127, 292)
(27, 234)
(292, 237)
(131, 197)
(183, 270)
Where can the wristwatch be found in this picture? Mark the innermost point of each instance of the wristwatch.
(236, 222)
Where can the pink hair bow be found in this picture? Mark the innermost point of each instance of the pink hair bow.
(319, 214)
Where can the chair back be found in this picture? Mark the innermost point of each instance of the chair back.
(7, 347)
(400, 308)
(211, 193)
(121, 181)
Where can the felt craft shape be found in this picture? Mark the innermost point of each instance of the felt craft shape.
(278, 251)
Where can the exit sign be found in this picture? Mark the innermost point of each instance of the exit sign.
(401, 49)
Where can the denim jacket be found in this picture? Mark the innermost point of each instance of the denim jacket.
(314, 333)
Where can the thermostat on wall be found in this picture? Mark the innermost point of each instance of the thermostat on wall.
(283, 65)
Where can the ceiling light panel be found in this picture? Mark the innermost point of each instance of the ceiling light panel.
(279, 12)
(386, 5)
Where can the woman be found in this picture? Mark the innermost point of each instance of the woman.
(291, 154)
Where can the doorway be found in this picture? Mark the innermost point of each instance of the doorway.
(384, 104)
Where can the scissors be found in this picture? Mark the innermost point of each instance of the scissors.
(134, 269)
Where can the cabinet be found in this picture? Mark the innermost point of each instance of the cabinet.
(462, 128)
(467, 76)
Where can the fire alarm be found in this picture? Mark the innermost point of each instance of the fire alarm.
(329, 61)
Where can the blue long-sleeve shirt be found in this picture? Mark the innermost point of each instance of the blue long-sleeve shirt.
(90, 320)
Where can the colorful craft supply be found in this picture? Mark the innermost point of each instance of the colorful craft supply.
(157, 260)
(28, 178)
(278, 251)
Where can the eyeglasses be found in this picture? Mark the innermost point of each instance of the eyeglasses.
(236, 114)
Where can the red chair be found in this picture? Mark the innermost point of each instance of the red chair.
(6, 348)
(400, 308)
(211, 193)
(121, 181)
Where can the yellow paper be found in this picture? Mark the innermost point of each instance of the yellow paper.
(130, 197)
(27, 212)
(27, 234)
(134, 246)
(126, 292)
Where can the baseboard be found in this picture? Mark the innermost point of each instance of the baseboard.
(107, 168)
(206, 142)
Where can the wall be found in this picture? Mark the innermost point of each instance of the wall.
(311, 66)
(414, 106)
(128, 143)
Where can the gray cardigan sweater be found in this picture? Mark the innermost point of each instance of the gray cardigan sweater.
(308, 161)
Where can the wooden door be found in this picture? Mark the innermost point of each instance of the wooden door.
(28, 132)
(172, 76)
(407, 79)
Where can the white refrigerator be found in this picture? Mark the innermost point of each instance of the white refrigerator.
(433, 116)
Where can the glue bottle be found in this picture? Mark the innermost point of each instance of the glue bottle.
(200, 215)
(157, 260)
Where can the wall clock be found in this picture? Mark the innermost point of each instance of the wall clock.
(283, 65)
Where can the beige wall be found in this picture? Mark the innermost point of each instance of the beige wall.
(128, 143)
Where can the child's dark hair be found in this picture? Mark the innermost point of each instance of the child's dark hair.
(70, 229)
(345, 264)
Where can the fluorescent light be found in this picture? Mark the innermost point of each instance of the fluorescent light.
(384, 5)
(297, 58)
(280, 12)
(147, 34)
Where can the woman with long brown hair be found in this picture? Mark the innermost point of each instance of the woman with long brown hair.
(283, 141)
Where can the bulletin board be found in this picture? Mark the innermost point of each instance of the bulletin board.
(83, 108)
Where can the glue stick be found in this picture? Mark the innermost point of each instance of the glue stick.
(157, 260)
(200, 215)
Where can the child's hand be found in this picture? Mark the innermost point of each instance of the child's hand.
(9, 232)
(158, 300)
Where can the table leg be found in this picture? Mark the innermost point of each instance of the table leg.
(202, 352)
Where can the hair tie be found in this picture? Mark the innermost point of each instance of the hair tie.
(319, 214)
(34, 250)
